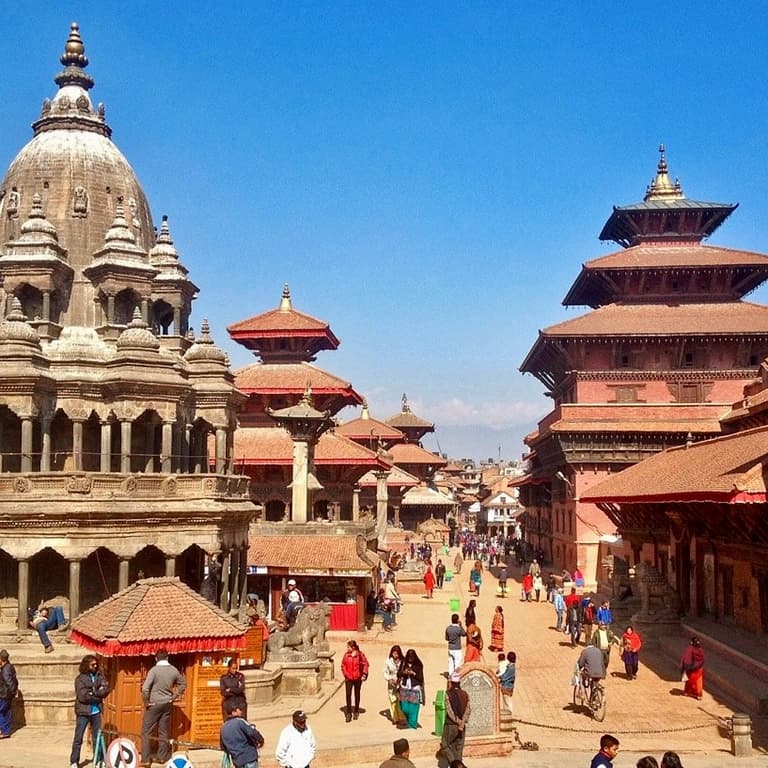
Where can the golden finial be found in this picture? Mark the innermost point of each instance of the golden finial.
(661, 188)
(285, 299)
(74, 50)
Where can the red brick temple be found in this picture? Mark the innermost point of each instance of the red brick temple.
(667, 348)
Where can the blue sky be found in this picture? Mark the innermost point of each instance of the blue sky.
(427, 177)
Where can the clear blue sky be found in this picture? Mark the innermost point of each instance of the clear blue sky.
(427, 177)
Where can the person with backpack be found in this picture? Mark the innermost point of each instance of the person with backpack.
(9, 687)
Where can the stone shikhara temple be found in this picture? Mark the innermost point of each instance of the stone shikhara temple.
(108, 403)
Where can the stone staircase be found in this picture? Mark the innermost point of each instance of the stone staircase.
(46, 680)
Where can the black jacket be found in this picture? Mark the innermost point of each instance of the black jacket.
(90, 691)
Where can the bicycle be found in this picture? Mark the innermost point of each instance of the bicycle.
(590, 693)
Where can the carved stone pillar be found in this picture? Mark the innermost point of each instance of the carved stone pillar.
(166, 452)
(355, 504)
(243, 586)
(145, 311)
(26, 443)
(123, 573)
(45, 439)
(381, 507)
(230, 467)
(234, 579)
(23, 594)
(221, 450)
(186, 444)
(170, 565)
(176, 441)
(299, 485)
(125, 446)
(224, 598)
(396, 508)
(110, 310)
(149, 448)
(105, 455)
(177, 321)
(74, 588)
(46, 306)
(77, 445)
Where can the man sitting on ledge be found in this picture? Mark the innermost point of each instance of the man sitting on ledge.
(48, 617)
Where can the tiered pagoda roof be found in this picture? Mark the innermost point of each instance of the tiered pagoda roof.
(408, 422)
(369, 431)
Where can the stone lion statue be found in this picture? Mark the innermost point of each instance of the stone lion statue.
(310, 626)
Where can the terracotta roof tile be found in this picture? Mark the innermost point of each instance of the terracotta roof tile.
(289, 377)
(707, 426)
(426, 497)
(731, 467)
(279, 320)
(397, 478)
(406, 419)
(309, 554)
(369, 429)
(689, 254)
(410, 453)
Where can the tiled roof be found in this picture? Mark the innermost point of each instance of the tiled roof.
(426, 497)
(729, 468)
(397, 478)
(625, 320)
(410, 453)
(369, 429)
(273, 445)
(156, 612)
(280, 320)
(708, 426)
(289, 377)
(684, 255)
(309, 554)
(406, 419)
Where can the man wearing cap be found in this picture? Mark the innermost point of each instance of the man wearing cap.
(293, 601)
(456, 716)
(400, 759)
(238, 738)
(296, 746)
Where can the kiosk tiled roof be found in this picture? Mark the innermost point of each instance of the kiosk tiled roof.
(318, 554)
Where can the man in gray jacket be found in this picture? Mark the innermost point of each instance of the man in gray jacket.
(164, 685)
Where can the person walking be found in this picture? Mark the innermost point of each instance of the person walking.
(232, 687)
(631, 645)
(470, 618)
(440, 573)
(603, 639)
(692, 669)
(354, 667)
(587, 618)
(458, 561)
(527, 588)
(91, 688)
(507, 680)
(412, 694)
(391, 677)
(429, 582)
(457, 711)
(604, 614)
(296, 745)
(9, 687)
(476, 578)
(453, 634)
(474, 649)
(164, 685)
(538, 585)
(239, 739)
(401, 750)
(503, 581)
(573, 621)
(559, 603)
(497, 630)
(609, 748)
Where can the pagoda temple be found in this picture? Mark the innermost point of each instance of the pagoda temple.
(667, 348)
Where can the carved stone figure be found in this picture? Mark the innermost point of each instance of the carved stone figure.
(310, 627)
(80, 204)
(657, 597)
(209, 587)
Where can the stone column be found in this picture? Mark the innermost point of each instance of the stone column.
(77, 445)
(186, 443)
(224, 598)
(46, 306)
(26, 443)
(149, 448)
(145, 311)
(221, 450)
(177, 321)
(110, 309)
(23, 594)
(166, 452)
(230, 468)
(125, 446)
(381, 507)
(105, 456)
(355, 504)
(396, 508)
(74, 588)
(45, 439)
(123, 573)
(234, 578)
(243, 586)
(176, 441)
(170, 565)
(299, 489)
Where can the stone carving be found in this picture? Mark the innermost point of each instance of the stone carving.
(170, 486)
(483, 689)
(62, 103)
(310, 627)
(102, 112)
(79, 484)
(12, 206)
(130, 485)
(45, 110)
(80, 203)
(658, 600)
(21, 485)
(82, 104)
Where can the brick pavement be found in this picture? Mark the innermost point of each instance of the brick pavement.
(646, 714)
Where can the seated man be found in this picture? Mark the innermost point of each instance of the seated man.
(591, 664)
(49, 617)
(294, 602)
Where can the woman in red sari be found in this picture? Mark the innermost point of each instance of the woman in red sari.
(473, 651)
(429, 581)
(692, 668)
(497, 630)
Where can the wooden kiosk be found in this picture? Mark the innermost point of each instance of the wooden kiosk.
(126, 631)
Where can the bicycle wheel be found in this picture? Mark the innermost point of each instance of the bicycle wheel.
(578, 696)
(597, 703)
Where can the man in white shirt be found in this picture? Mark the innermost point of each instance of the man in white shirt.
(296, 746)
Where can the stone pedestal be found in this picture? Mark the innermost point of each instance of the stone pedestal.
(300, 678)
(327, 668)
(262, 686)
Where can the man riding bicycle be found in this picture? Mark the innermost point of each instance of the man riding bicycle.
(591, 664)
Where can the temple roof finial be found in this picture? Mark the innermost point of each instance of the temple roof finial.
(661, 188)
(406, 407)
(285, 301)
(75, 61)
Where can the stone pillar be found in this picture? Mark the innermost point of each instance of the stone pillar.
(186, 443)
(123, 573)
(145, 311)
(110, 309)
(26, 443)
(221, 450)
(125, 446)
(45, 439)
(74, 588)
(46, 306)
(177, 321)
(234, 578)
(381, 507)
(77, 445)
(230, 468)
(299, 489)
(396, 508)
(176, 441)
(149, 448)
(23, 594)
(355, 504)
(166, 452)
(243, 586)
(105, 456)
(170, 565)
(224, 598)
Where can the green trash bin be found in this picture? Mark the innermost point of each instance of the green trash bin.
(455, 604)
(449, 575)
(439, 712)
